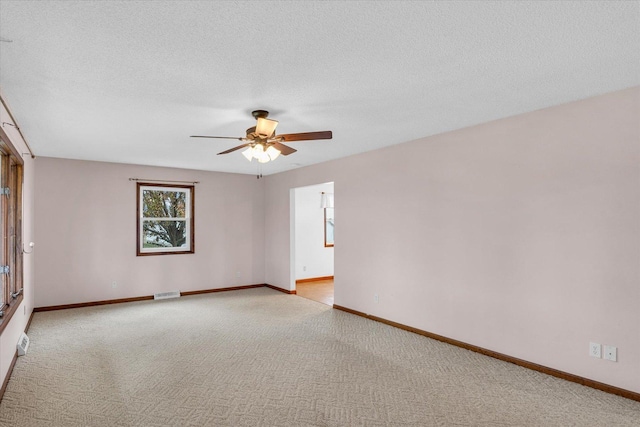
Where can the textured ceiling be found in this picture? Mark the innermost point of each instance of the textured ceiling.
(130, 81)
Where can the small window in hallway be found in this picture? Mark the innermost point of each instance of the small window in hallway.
(328, 227)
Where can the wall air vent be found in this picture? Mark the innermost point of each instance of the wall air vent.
(23, 344)
(167, 295)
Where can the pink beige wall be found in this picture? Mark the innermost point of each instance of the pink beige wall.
(521, 235)
(18, 322)
(85, 225)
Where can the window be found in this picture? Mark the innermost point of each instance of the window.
(10, 232)
(328, 227)
(165, 219)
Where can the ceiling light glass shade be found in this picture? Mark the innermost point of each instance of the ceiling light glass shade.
(266, 127)
(326, 200)
(272, 152)
(260, 154)
(248, 153)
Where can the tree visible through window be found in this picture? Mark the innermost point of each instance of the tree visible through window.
(165, 219)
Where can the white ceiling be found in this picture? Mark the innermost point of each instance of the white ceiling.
(130, 81)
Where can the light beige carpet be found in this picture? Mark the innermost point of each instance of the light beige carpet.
(262, 358)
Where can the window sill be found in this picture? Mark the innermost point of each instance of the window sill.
(9, 312)
(165, 253)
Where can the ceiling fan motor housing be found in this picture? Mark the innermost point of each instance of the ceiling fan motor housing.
(260, 114)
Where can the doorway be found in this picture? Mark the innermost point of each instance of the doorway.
(312, 242)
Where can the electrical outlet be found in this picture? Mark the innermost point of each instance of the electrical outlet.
(611, 353)
(375, 298)
(238, 274)
(304, 268)
(595, 350)
(114, 284)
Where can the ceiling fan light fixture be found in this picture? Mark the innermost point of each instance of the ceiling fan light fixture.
(258, 151)
(266, 127)
(272, 152)
(262, 143)
(260, 154)
(248, 153)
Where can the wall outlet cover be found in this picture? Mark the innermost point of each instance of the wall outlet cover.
(595, 350)
(611, 353)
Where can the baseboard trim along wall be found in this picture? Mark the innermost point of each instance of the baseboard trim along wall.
(286, 291)
(314, 279)
(26, 329)
(13, 362)
(150, 297)
(232, 288)
(525, 364)
(9, 372)
(91, 303)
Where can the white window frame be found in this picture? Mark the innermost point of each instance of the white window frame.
(188, 219)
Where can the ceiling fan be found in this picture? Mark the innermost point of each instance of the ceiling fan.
(263, 144)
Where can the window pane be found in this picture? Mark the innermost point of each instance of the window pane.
(165, 219)
(328, 226)
(164, 234)
(3, 277)
(12, 223)
(164, 204)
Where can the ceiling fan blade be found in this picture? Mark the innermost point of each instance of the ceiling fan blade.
(285, 150)
(230, 150)
(218, 137)
(307, 136)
